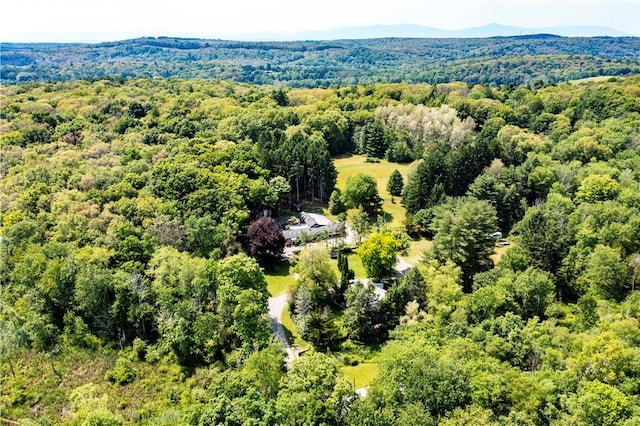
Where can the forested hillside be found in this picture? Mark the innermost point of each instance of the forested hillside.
(501, 60)
(136, 264)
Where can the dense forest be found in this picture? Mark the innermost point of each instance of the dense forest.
(500, 60)
(136, 260)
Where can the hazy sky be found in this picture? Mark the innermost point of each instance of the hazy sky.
(91, 20)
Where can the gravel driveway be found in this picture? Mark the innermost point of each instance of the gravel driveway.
(276, 305)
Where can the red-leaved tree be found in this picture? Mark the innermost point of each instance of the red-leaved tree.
(265, 241)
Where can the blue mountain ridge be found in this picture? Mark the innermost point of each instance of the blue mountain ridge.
(419, 31)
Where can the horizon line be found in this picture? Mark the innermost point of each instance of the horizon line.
(299, 35)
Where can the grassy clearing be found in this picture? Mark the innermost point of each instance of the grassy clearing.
(499, 252)
(381, 171)
(360, 375)
(596, 79)
(279, 279)
(414, 253)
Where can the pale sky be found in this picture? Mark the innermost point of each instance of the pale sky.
(105, 20)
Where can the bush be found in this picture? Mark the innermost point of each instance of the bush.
(139, 349)
(351, 360)
(122, 373)
(100, 417)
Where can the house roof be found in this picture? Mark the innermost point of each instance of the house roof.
(294, 232)
(313, 219)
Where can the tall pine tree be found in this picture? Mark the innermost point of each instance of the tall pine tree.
(395, 184)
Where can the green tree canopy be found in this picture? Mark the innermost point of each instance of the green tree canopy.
(414, 373)
(462, 229)
(596, 188)
(600, 404)
(315, 271)
(605, 274)
(311, 392)
(242, 271)
(361, 191)
(379, 254)
(362, 315)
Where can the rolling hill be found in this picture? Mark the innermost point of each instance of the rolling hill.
(523, 59)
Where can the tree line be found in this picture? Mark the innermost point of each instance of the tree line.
(499, 60)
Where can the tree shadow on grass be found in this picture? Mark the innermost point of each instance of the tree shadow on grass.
(280, 269)
(278, 278)
(382, 219)
(290, 337)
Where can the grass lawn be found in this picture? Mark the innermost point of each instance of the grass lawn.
(354, 263)
(279, 279)
(291, 331)
(381, 171)
(499, 252)
(414, 253)
(360, 375)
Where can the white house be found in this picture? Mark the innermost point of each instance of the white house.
(311, 223)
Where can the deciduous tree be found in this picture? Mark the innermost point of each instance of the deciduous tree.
(596, 188)
(358, 220)
(241, 271)
(361, 191)
(311, 392)
(600, 404)
(413, 373)
(266, 241)
(315, 271)
(605, 275)
(250, 320)
(379, 254)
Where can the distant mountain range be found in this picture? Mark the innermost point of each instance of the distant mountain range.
(419, 31)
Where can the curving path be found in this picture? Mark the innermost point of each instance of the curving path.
(276, 305)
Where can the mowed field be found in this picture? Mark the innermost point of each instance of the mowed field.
(361, 375)
(381, 171)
